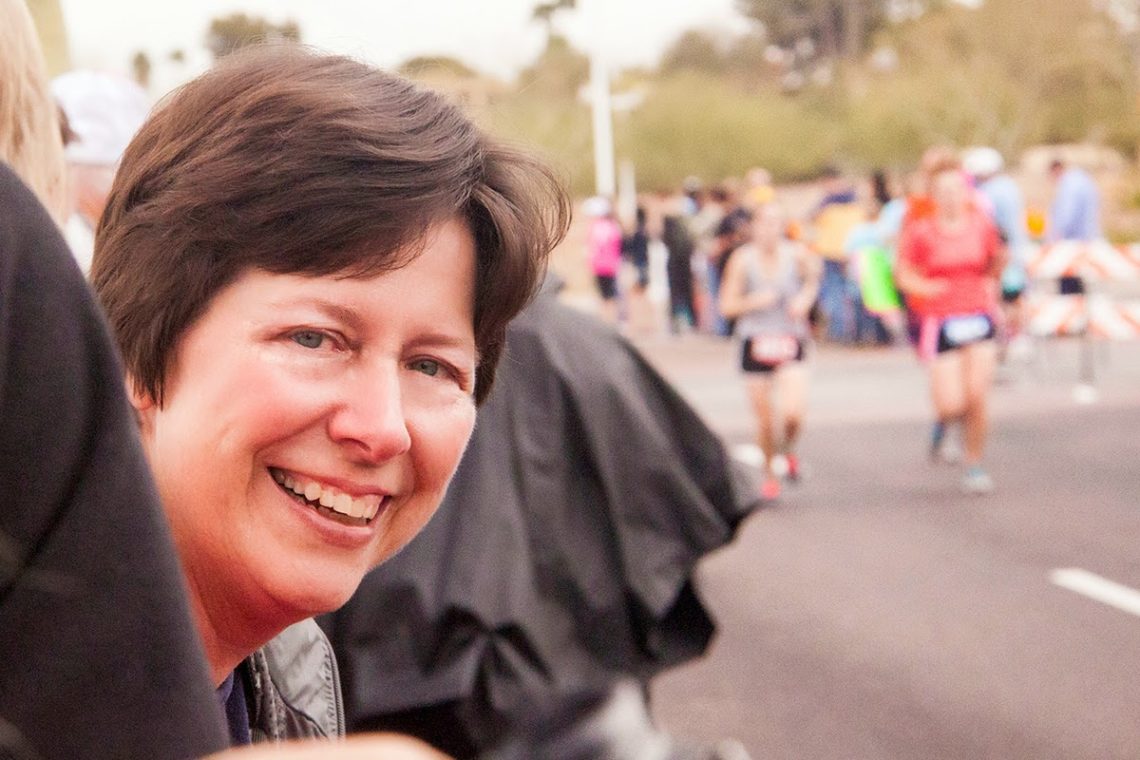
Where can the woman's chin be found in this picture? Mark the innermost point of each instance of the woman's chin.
(301, 597)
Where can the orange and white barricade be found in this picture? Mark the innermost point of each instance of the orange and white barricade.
(1117, 320)
(1094, 260)
(1070, 315)
(1095, 314)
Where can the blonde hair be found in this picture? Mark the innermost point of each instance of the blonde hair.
(30, 140)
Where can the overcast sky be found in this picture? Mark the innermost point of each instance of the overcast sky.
(495, 36)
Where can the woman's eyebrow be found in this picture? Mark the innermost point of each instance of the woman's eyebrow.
(337, 311)
(447, 340)
(352, 319)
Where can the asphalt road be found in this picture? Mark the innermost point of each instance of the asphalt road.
(877, 613)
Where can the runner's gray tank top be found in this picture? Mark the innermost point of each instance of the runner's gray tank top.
(773, 320)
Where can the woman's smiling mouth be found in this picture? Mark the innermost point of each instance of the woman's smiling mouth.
(329, 501)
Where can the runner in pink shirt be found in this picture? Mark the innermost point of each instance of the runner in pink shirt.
(948, 265)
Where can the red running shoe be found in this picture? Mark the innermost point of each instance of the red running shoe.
(793, 474)
(770, 489)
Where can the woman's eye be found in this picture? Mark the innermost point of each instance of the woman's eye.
(428, 367)
(308, 338)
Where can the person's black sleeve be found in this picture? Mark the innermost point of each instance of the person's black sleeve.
(98, 653)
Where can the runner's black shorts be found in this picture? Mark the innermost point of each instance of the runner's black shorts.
(750, 364)
(1011, 295)
(607, 286)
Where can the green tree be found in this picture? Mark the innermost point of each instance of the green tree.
(836, 28)
(696, 124)
(694, 50)
(230, 33)
(1015, 72)
(422, 63)
(559, 128)
(742, 59)
(1008, 73)
(544, 13)
(560, 71)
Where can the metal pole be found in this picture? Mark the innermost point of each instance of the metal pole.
(1086, 391)
(627, 192)
(1088, 360)
(604, 175)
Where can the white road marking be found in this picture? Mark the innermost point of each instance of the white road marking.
(1101, 589)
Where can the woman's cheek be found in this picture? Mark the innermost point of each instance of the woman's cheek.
(283, 403)
(447, 431)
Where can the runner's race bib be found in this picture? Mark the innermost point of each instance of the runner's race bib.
(774, 349)
(962, 331)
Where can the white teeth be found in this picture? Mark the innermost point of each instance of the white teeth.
(343, 504)
(365, 506)
(372, 506)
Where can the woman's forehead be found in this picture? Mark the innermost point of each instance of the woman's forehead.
(949, 178)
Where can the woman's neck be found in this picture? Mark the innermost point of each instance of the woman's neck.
(228, 633)
(766, 249)
(951, 218)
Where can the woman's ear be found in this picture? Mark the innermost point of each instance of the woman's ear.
(143, 404)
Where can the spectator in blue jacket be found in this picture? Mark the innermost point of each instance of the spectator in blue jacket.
(1075, 213)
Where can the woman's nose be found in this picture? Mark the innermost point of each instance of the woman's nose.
(370, 418)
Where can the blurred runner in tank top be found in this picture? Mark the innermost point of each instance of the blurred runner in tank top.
(769, 286)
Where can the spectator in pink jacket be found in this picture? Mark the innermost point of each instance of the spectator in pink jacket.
(603, 243)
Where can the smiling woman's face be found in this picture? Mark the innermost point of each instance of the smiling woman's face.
(948, 188)
(310, 427)
(768, 226)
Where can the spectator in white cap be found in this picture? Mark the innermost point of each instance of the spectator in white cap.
(1007, 207)
(103, 112)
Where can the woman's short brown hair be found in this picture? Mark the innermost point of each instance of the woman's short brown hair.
(290, 161)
